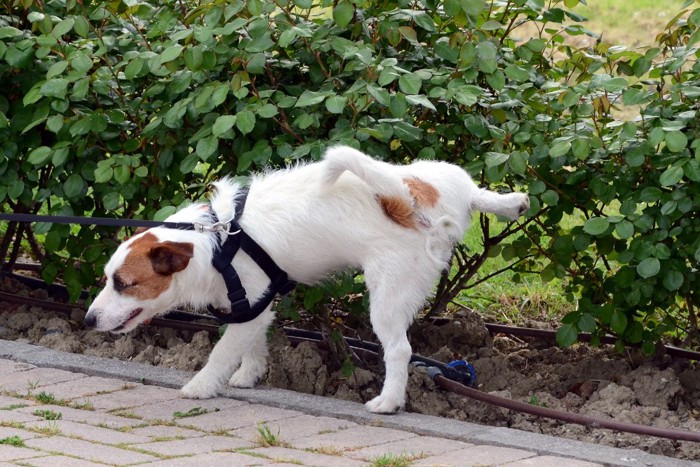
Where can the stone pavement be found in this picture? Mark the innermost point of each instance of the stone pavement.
(60, 409)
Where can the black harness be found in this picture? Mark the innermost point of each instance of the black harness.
(237, 239)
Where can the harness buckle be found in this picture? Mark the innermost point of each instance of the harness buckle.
(223, 227)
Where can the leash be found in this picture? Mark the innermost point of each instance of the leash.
(236, 239)
(101, 221)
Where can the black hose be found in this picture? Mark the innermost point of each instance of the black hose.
(563, 416)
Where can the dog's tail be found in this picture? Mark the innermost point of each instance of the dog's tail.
(380, 176)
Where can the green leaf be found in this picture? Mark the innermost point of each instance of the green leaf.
(269, 110)
(223, 124)
(596, 225)
(134, 68)
(587, 323)
(649, 268)
(618, 322)
(81, 26)
(54, 123)
(615, 84)
(56, 87)
(560, 149)
(73, 186)
(63, 27)
(309, 98)
(56, 69)
(343, 13)
(567, 335)
(245, 121)
(171, 53)
(410, 83)
(336, 104)
(676, 141)
(671, 176)
(624, 229)
(207, 146)
(493, 159)
(673, 280)
(9, 31)
(421, 100)
(39, 155)
(487, 57)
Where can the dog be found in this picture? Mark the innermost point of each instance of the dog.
(397, 223)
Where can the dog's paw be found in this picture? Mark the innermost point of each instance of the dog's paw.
(519, 205)
(245, 377)
(195, 389)
(384, 404)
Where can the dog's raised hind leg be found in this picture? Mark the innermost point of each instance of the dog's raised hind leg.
(226, 356)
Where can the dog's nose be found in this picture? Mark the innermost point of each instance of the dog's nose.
(90, 319)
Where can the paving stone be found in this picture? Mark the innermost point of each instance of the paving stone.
(84, 416)
(83, 387)
(166, 410)
(9, 432)
(8, 366)
(7, 402)
(61, 461)
(476, 455)
(200, 445)
(17, 415)
(13, 453)
(551, 461)
(88, 432)
(87, 450)
(237, 417)
(277, 453)
(158, 432)
(216, 459)
(356, 437)
(34, 380)
(288, 429)
(420, 446)
(133, 397)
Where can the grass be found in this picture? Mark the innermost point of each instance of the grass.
(48, 414)
(393, 460)
(193, 412)
(501, 298)
(266, 438)
(13, 441)
(633, 23)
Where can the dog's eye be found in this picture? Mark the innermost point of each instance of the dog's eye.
(119, 284)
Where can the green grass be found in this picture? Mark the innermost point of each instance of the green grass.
(13, 441)
(393, 460)
(632, 23)
(501, 298)
(48, 414)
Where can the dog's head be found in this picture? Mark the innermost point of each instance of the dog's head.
(139, 282)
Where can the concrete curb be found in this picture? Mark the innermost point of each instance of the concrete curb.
(322, 406)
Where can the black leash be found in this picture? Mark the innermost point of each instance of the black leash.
(101, 221)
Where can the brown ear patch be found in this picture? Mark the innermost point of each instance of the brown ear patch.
(149, 264)
(170, 257)
(425, 194)
(398, 211)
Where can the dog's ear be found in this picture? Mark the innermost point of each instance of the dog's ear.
(170, 257)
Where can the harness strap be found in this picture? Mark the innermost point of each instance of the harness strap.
(241, 310)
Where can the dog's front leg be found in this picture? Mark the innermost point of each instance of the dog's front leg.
(226, 356)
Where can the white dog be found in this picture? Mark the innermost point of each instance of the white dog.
(397, 223)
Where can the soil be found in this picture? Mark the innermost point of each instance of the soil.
(660, 391)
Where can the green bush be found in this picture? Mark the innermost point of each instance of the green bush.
(130, 108)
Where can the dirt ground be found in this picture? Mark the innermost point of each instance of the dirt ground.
(660, 391)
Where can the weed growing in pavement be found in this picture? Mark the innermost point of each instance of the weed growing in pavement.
(13, 441)
(193, 412)
(394, 460)
(266, 438)
(48, 414)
